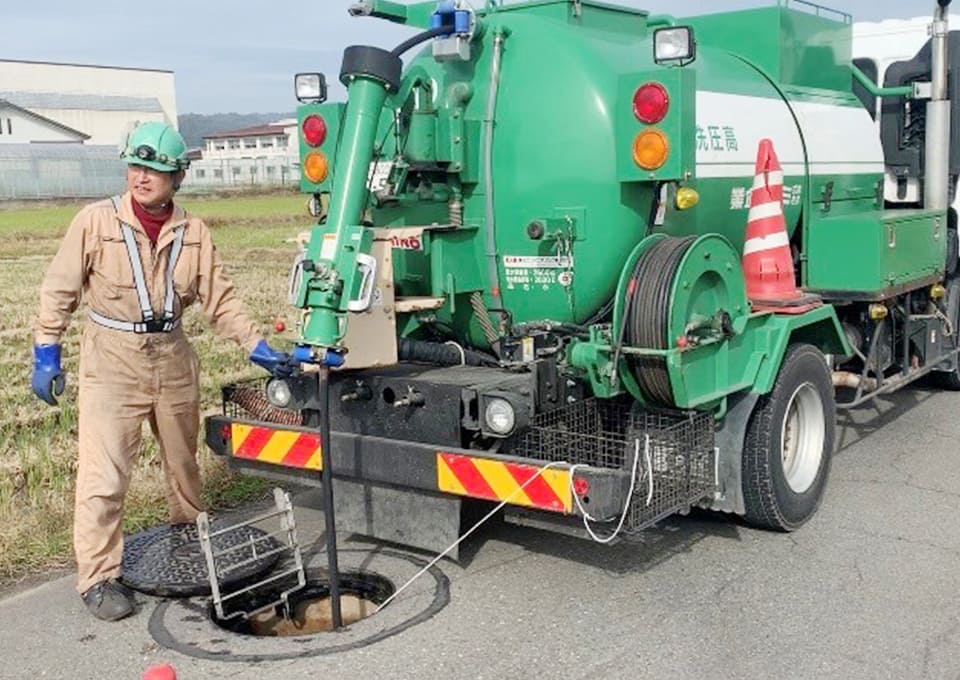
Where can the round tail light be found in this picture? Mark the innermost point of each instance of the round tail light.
(315, 166)
(651, 103)
(314, 130)
(650, 149)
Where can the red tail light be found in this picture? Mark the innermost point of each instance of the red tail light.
(651, 103)
(581, 486)
(314, 130)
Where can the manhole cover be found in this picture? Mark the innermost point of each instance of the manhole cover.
(167, 561)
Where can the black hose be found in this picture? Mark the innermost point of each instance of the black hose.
(420, 38)
(647, 316)
(442, 354)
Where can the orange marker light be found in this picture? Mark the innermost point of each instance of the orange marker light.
(315, 166)
(650, 149)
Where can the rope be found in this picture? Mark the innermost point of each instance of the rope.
(463, 355)
(586, 515)
(587, 518)
(471, 530)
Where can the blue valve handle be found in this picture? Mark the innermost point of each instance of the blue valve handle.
(327, 357)
(279, 364)
(48, 380)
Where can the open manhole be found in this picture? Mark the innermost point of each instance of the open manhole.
(308, 610)
(368, 572)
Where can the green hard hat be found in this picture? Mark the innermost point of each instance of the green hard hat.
(158, 146)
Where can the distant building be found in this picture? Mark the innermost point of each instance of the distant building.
(61, 125)
(265, 155)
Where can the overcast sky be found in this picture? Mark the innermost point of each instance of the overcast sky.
(241, 56)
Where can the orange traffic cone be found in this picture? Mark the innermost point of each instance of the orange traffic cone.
(767, 262)
(163, 671)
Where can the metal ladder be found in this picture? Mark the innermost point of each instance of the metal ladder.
(288, 532)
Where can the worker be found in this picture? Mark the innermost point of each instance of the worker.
(138, 260)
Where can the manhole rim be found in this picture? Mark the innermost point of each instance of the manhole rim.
(441, 598)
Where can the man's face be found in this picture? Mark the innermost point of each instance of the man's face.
(151, 188)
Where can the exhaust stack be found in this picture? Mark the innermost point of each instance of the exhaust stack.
(937, 165)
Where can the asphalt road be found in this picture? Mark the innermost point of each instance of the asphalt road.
(870, 588)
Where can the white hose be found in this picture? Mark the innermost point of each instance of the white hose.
(587, 518)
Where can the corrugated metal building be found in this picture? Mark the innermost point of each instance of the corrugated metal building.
(61, 125)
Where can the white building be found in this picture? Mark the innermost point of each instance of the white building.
(262, 155)
(61, 125)
(100, 101)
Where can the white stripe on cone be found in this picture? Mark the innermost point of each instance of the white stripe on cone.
(774, 178)
(759, 244)
(765, 211)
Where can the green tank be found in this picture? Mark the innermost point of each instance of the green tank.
(546, 203)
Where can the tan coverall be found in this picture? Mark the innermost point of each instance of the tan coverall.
(126, 377)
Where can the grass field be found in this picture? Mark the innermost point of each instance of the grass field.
(38, 442)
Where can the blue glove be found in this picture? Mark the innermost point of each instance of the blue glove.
(279, 364)
(48, 381)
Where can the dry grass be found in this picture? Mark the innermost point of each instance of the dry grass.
(38, 443)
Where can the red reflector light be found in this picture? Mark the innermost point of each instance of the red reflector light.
(225, 432)
(314, 130)
(651, 103)
(581, 487)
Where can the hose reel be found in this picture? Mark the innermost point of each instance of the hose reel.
(675, 292)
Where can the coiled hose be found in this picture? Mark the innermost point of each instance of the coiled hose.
(647, 316)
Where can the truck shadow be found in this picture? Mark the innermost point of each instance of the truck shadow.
(858, 424)
(633, 554)
(681, 534)
(674, 536)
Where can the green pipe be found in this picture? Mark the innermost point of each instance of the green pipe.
(365, 98)
(658, 20)
(324, 323)
(875, 90)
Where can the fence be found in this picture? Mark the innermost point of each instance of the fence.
(30, 171)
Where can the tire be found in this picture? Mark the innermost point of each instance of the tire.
(950, 380)
(783, 486)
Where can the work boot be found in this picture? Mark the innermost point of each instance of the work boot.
(109, 600)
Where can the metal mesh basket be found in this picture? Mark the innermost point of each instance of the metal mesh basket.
(673, 452)
(248, 399)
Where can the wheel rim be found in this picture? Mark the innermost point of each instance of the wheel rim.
(802, 437)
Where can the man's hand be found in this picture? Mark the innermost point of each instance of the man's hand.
(279, 364)
(48, 380)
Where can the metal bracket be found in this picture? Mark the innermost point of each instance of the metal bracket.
(577, 9)
(288, 531)
(827, 196)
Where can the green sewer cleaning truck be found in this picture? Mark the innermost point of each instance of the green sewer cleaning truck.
(529, 280)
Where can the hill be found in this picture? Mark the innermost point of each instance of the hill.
(194, 126)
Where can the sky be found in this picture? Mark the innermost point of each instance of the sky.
(240, 56)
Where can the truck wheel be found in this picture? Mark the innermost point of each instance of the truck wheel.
(789, 443)
(950, 380)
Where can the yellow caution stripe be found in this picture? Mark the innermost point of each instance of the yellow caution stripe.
(497, 481)
(280, 447)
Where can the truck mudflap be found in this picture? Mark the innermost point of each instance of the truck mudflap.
(600, 460)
